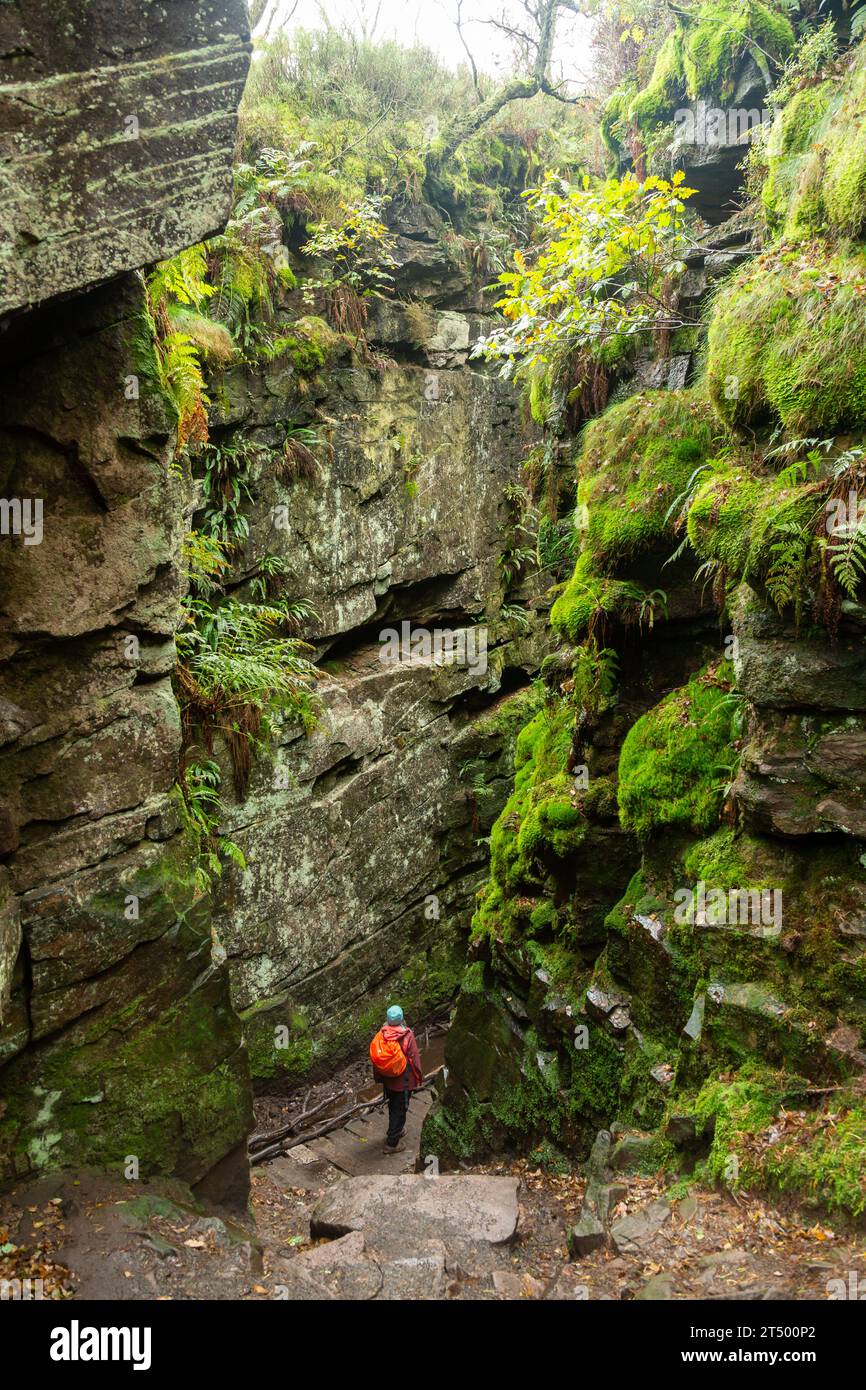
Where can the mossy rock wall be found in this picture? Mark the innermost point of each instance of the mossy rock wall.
(115, 116)
(366, 841)
(117, 1035)
(726, 980)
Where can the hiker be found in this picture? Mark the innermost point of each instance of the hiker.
(397, 1064)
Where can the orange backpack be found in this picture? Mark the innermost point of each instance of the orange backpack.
(387, 1055)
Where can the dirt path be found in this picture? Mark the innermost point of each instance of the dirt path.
(709, 1245)
(90, 1236)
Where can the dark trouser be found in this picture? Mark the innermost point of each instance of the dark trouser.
(398, 1109)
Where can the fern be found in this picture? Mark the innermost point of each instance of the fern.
(797, 473)
(846, 553)
(679, 509)
(226, 487)
(183, 379)
(236, 669)
(513, 613)
(182, 278)
(846, 460)
(650, 601)
(205, 561)
(789, 566)
(202, 814)
(707, 571)
(595, 675)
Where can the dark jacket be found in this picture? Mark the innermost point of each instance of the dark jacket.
(413, 1076)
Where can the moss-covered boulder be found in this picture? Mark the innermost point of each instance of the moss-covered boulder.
(826, 185)
(786, 342)
(699, 58)
(764, 1137)
(789, 151)
(673, 760)
(634, 462)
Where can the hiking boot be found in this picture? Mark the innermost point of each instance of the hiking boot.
(397, 1148)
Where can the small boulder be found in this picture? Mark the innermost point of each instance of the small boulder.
(588, 1235)
(634, 1233)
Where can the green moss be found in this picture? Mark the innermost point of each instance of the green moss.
(739, 521)
(213, 341)
(279, 1041)
(730, 859)
(600, 800)
(725, 30)
(699, 58)
(593, 1090)
(310, 345)
(508, 1090)
(154, 1067)
(550, 1159)
(586, 598)
(669, 767)
(541, 822)
(844, 186)
(169, 1086)
(538, 388)
(635, 459)
(818, 1156)
(788, 146)
(787, 342)
(828, 188)
(614, 120)
(544, 918)
(805, 961)
(656, 102)
(509, 715)
(473, 978)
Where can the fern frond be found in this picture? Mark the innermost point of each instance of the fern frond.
(846, 553)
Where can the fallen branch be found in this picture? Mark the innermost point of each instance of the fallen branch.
(268, 1136)
(335, 1122)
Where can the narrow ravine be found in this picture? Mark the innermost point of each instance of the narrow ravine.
(433, 573)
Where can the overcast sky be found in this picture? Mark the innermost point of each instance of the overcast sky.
(431, 23)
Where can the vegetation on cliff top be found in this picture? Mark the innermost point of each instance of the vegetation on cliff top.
(700, 57)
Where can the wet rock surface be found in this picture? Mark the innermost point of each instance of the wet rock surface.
(117, 1035)
(118, 133)
(365, 841)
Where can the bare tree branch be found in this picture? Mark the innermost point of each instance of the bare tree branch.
(255, 9)
(538, 43)
(457, 21)
(367, 30)
(283, 22)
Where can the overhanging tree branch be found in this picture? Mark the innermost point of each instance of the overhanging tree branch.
(537, 41)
